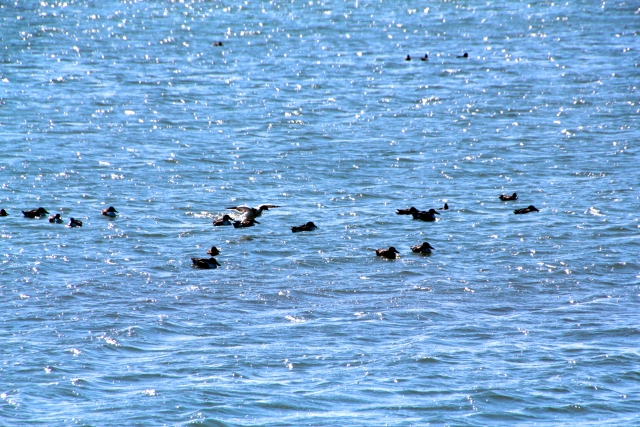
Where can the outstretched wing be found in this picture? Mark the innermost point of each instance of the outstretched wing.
(243, 209)
(262, 207)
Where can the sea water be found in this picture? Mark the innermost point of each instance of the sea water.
(174, 111)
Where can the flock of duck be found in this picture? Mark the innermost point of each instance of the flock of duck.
(57, 218)
(250, 214)
(426, 57)
(429, 216)
(248, 219)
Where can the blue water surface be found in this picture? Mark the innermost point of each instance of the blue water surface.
(174, 111)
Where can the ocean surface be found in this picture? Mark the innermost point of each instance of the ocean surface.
(173, 111)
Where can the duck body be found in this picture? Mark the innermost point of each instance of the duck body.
(205, 263)
(389, 253)
(74, 223)
(245, 223)
(506, 198)
(110, 212)
(252, 213)
(225, 220)
(465, 55)
(526, 210)
(425, 57)
(213, 251)
(306, 227)
(409, 211)
(35, 213)
(408, 58)
(3, 212)
(428, 216)
(55, 219)
(424, 248)
(445, 207)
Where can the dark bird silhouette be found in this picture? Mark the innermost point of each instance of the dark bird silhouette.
(213, 251)
(74, 223)
(225, 220)
(424, 248)
(245, 223)
(506, 198)
(35, 213)
(110, 212)
(526, 210)
(205, 263)
(428, 216)
(389, 253)
(409, 211)
(55, 219)
(306, 227)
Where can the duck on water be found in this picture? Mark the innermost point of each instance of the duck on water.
(205, 263)
(389, 253)
(35, 213)
(110, 212)
(526, 210)
(225, 220)
(428, 216)
(306, 227)
(55, 219)
(424, 248)
(506, 198)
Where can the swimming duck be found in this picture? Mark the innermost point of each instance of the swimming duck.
(306, 227)
(465, 55)
(425, 57)
(389, 253)
(424, 248)
(110, 212)
(218, 43)
(526, 210)
(213, 251)
(252, 213)
(245, 223)
(506, 198)
(3, 212)
(35, 213)
(74, 223)
(225, 220)
(408, 58)
(409, 211)
(55, 219)
(205, 263)
(429, 216)
(445, 207)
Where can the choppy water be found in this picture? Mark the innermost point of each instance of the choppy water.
(513, 320)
